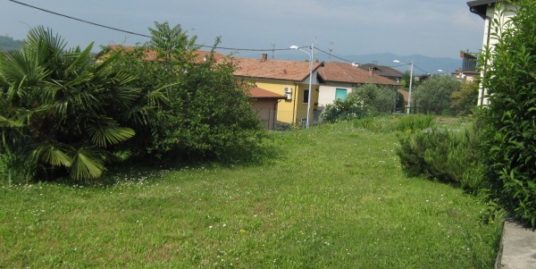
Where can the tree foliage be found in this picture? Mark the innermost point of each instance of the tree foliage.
(464, 100)
(63, 113)
(510, 119)
(195, 106)
(433, 95)
(375, 99)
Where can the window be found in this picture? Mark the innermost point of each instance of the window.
(341, 94)
(306, 96)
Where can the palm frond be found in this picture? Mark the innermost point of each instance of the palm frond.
(52, 154)
(10, 123)
(87, 164)
(80, 59)
(43, 43)
(104, 136)
(19, 70)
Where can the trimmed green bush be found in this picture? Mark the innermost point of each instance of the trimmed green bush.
(510, 119)
(443, 155)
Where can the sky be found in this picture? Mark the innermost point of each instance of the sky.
(436, 28)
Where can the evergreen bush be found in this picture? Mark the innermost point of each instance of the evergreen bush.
(443, 155)
(510, 119)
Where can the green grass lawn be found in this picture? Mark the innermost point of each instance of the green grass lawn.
(333, 197)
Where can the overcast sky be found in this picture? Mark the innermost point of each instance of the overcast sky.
(438, 28)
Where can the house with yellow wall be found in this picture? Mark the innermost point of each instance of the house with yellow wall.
(283, 77)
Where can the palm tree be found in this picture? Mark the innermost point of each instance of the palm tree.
(59, 110)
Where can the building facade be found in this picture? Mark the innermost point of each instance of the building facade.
(337, 80)
(286, 78)
(496, 15)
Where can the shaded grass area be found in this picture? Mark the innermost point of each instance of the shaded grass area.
(334, 197)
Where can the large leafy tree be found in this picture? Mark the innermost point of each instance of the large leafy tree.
(194, 107)
(463, 101)
(375, 99)
(433, 95)
(59, 111)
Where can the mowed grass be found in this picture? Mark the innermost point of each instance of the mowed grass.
(333, 197)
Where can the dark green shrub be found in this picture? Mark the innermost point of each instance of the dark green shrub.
(510, 120)
(14, 169)
(443, 155)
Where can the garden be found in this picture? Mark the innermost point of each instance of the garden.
(331, 196)
(115, 160)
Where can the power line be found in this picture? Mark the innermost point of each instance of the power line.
(245, 49)
(80, 20)
(334, 56)
(132, 32)
(423, 70)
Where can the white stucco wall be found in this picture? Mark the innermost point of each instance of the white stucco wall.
(327, 93)
(503, 14)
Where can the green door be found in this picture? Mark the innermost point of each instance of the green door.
(341, 94)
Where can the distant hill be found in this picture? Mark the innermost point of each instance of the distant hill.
(8, 43)
(424, 64)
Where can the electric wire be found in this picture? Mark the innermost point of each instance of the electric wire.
(132, 32)
(200, 45)
(335, 56)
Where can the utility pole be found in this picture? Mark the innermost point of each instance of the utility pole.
(410, 87)
(307, 124)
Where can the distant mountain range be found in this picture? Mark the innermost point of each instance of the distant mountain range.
(8, 43)
(423, 64)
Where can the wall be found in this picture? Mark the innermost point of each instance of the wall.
(301, 107)
(503, 16)
(292, 111)
(266, 110)
(327, 93)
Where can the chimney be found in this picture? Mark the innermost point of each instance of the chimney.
(371, 71)
(264, 57)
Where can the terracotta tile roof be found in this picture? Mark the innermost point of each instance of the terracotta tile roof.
(257, 92)
(272, 69)
(151, 55)
(346, 73)
(384, 71)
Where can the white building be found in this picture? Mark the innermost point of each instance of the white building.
(491, 11)
(337, 80)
